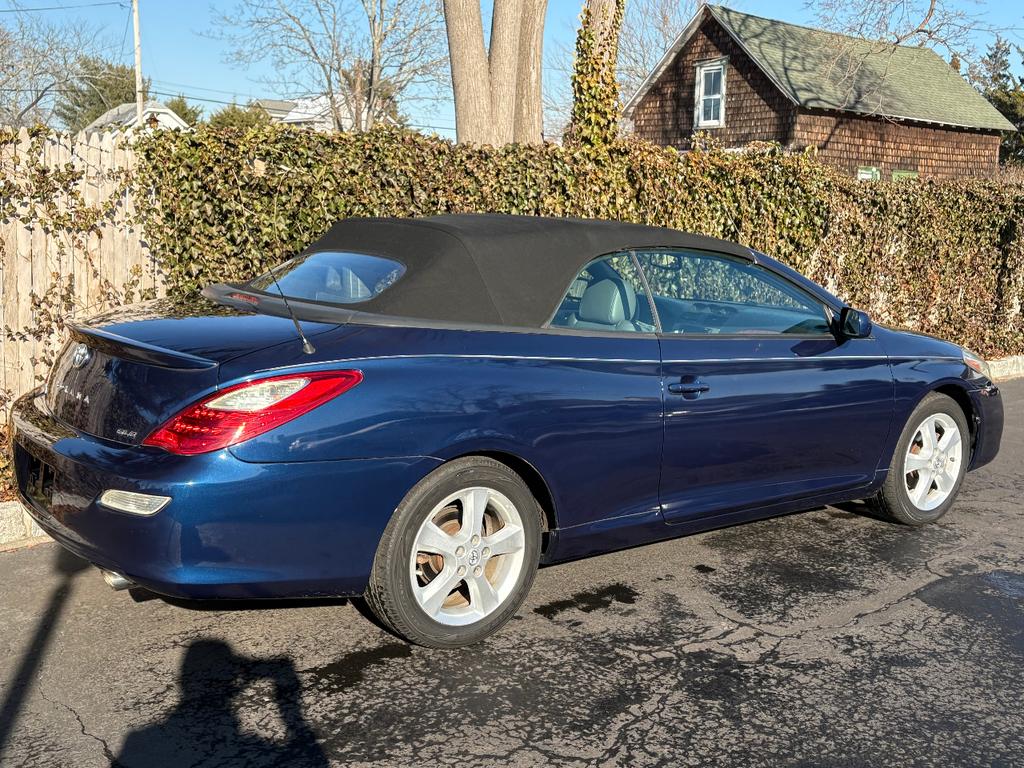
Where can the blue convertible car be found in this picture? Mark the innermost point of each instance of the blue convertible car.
(421, 411)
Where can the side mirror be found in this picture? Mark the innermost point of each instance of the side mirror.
(854, 324)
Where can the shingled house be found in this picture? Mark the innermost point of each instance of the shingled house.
(873, 110)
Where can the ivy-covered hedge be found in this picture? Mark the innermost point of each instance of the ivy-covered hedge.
(942, 257)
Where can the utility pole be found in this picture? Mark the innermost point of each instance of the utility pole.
(138, 67)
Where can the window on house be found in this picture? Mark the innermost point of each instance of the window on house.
(897, 175)
(711, 94)
(868, 173)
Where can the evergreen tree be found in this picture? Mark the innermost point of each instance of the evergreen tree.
(1005, 91)
(234, 116)
(190, 113)
(99, 85)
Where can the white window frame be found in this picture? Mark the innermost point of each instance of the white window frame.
(698, 93)
(869, 173)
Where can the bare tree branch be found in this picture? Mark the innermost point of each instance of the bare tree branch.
(38, 60)
(943, 25)
(365, 56)
(940, 24)
(648, 30)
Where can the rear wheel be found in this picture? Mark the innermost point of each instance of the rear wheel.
(929, 463)
(459, 555)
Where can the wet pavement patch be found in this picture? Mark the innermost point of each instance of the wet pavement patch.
(590, 600)
(990, 604)
(1011, 584)
(338, 676)
(794, 567)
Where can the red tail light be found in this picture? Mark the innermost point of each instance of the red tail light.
(243, 411)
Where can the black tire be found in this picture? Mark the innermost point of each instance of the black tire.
(390, 592)
(894, 500)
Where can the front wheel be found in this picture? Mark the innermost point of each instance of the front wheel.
(459, 555)
(929, 463)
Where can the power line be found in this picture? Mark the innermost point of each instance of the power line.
(60, 7)
(235, 103)
(124, 37)
(193, 98)
(190, 97)
(188, 86)
(187, 89)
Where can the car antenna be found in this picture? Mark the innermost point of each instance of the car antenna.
(308, 348)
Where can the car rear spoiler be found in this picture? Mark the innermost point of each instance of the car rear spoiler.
(140, 351)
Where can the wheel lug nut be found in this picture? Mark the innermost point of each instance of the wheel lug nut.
(477, 571)
(487, 552)
(460, 551)
(475, 540)
(461, 570)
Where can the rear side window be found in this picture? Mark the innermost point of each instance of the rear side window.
(607, 295)
(333, 277)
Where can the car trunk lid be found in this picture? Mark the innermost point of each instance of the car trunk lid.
(124, 373)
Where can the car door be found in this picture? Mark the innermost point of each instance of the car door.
(763, 402)
(600, 431)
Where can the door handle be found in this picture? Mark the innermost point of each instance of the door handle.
(688, 386)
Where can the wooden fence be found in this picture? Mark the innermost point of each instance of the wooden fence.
(83, 263)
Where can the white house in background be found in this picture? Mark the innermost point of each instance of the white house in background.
(276, 108)
(306, 112)
(122, 117)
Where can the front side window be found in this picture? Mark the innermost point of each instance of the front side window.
(698, 292)
(334, 277)
(607, 295)
(710, 96)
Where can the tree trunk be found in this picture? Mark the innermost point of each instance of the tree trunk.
(357, 102)
(375, 68)
(503, 67)
(529, 118)
(595, 91)
(602, 15)
(470, 71)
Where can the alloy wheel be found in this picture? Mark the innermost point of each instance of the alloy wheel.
(933, 461)
(467, 556)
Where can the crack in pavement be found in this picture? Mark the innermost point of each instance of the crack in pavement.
(107, 752)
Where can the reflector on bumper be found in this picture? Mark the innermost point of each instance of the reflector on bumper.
(134, 503)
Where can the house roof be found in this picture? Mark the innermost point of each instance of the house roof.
(309, 109)
(277, 105)
(123, 115)
(816, 69)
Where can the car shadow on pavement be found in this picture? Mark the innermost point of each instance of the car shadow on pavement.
(862, 508)
(205, 727)
(67, 566)
(140, 594)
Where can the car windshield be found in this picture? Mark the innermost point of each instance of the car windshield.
(334, 277)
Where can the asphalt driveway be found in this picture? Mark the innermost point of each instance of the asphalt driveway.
(824, 638)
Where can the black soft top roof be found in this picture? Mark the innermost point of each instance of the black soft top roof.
(490, 268)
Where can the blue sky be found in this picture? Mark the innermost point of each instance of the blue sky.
(179, 57)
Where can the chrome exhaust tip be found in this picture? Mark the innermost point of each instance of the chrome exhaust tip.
(115, 580)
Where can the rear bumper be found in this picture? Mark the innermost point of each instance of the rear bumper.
(988, 414)
(233, 529)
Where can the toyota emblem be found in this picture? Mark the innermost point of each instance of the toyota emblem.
(80, 356)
